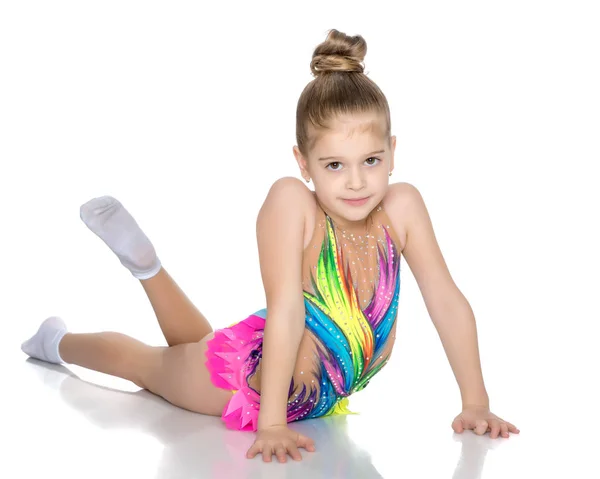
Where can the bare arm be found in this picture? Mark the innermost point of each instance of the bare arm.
(280, 232)
(449, 310)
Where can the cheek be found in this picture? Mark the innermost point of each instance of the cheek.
(380, 177)
(329, 179)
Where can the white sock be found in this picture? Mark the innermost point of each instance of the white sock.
(114, 225)
(44, 344)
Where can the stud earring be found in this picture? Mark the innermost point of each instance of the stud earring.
(308, 181)
(390, 174)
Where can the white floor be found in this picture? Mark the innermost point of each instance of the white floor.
(59, 425)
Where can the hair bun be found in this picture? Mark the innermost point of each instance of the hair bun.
(339, 53)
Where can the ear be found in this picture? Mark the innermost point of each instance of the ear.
(302, 163)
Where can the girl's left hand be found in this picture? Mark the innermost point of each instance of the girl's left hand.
(482, 420)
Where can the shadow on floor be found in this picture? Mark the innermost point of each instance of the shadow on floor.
(196, 445)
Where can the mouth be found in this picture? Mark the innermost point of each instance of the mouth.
(356, 201)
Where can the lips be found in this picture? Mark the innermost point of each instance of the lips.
(357, 201)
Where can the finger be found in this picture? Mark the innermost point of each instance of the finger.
(255, 449)
(281, 453)
(513, 428)
(457, 425)
(306, 442)
(481, 427)
(267, 452)
(495, 427)
(294, 452)
(504, 429)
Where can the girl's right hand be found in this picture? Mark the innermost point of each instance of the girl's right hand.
(279, 440)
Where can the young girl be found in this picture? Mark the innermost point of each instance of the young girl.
(330, 265)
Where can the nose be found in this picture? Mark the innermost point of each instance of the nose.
(356, 179)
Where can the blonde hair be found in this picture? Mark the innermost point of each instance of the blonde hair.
(340, 87)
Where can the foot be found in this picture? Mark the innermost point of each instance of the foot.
(44, 344)
(113, 224)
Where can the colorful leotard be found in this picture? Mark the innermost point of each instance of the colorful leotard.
(351, 282)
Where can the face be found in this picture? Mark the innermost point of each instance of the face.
(350, 161)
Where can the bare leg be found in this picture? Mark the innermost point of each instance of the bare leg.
(179, 320)
(177, 373)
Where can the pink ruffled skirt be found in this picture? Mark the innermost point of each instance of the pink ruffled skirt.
(232, 356)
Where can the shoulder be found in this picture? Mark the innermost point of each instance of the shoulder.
(283, 212)
(279, 231)
(290, 187)
(291, 194)
(399, 195)
(399, 204)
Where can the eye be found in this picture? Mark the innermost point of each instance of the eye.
(335, 164)
(372, 158)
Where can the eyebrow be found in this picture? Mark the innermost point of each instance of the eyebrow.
(341, 158)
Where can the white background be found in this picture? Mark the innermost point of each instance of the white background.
(186, 113)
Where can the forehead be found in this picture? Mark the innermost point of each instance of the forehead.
(346, 132)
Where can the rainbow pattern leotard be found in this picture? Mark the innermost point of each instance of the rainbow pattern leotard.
(351, 283)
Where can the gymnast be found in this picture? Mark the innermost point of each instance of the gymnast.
(330, 266)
